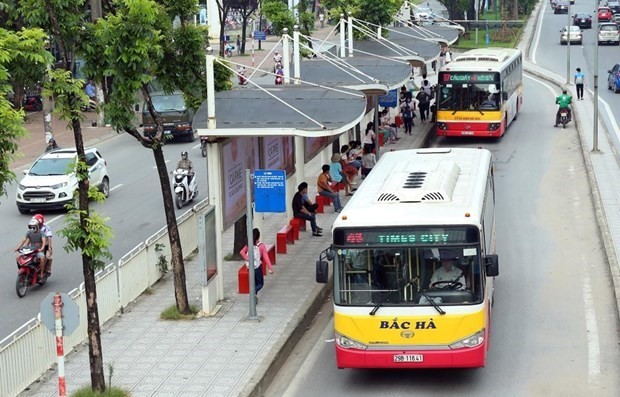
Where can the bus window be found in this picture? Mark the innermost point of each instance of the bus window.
(457, 97)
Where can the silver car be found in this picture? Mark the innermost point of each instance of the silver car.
(575, 35)
(608, 33)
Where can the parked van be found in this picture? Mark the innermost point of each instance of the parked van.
(176, 115)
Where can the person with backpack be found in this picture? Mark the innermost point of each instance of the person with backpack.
(424, 102)
(260, 255)
(407, 113)
(579, 82)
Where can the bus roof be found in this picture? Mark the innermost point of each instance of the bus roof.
(421, 187)
(483, 59)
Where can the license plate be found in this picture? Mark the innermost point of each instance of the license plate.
(408, 358)
(467, 133)
(563, 114)
(37, 200)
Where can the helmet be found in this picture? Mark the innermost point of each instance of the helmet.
(33, 224)
(275, 52)
(39, 218)
(184, 155)
(564, 91)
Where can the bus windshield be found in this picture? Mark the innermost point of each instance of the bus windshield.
(408, 276)
(469, 91)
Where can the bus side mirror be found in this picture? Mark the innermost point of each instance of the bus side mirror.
(491, 264)
(322, 271)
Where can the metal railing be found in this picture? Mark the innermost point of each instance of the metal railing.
(27, 353)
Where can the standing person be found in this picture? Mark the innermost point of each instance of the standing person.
(322, 19)
(323, 184)
(47, 249)
(91, 91)
(406, 111)
(423, 103)
(579, 82)
(300, 209)
(369, 137)
(36, 239)
(260, 255)
(448, 56)
(238, 45)
(368, 162)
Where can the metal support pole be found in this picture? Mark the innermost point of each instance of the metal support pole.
(60, 350)
(350, 33)
(595, 82)
(210, 90)
(296, 55)
(342, 40)
(568, 25)
(375, 99)
(286, 56)
(248, 201)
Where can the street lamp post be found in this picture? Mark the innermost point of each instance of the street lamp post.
(595, 81)
(568, 26)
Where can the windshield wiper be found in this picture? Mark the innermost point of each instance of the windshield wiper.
(432, 302)
(380, 303)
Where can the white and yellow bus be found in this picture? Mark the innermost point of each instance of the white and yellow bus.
(479, 93)
(415, 210)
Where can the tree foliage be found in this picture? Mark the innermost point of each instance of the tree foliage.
(279, 14)
(16, 49)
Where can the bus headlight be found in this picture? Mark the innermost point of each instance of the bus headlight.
(493, 126)
(347, 343)
(471, 341)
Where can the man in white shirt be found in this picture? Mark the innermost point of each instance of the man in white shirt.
(446, 275)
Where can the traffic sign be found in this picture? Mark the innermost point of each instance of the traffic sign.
(270, 190)
(259, 35)
(70, 313)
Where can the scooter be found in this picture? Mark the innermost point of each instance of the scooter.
(203, 146)
(28, 270)
(33, 103)
(92, 105)
(565, 117)
(184, 189)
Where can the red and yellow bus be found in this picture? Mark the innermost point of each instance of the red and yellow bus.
(479, 93)
(417, 212)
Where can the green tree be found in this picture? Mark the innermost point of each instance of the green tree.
(138, 45)
(64, 20)
(24, 46)
(280, 16)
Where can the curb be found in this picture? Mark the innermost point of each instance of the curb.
(287, 343)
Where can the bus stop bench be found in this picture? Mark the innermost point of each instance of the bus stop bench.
(286, 235)
(322, 202)
(271, 253)
(299, 225)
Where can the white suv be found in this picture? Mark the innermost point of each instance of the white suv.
(51, 181)
(608, 33)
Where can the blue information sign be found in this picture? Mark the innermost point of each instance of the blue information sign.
(270, 190)
(259, 35)
(389, 100)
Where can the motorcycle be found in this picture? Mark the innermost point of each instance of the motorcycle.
(92, 105)
(33, 103)
(184, 189)
(565, 117)
(203, 146)
(28, 270)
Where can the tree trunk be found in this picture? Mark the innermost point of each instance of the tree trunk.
(178, 266)
(244, 29)
(95, 353)
(241, 236)
(471, 10)
(18, 95)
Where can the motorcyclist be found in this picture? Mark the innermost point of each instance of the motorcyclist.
(186, 164)
(51, 145)
(35, 238)
(277, 61)
(47, 249)
(564, 102)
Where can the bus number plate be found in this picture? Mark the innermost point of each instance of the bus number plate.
(467, 133)
(408, 358)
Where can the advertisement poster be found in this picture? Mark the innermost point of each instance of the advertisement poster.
(237, 155)
(278, 153)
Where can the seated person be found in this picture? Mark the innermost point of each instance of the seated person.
(301, 209)
(488, 103)
(447, 274)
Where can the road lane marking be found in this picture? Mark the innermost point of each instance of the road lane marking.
(155, 167)
(541, 82)
(54, 219)
(196, 146)
(537, 36)
(594, 349)
(116, 187)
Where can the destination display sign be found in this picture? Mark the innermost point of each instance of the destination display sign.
(468, 77)
(425, 236)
